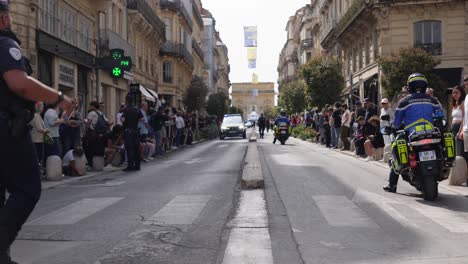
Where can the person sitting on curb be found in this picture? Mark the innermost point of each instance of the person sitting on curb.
(374, 138)
(69, 163)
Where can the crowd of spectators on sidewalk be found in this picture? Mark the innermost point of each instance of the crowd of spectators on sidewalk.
(161, 128)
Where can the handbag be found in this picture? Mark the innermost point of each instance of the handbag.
(48, 139)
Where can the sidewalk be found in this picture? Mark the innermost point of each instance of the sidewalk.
(460, 190)
(106, 170)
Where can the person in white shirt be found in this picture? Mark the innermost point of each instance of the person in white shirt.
(345, 124)
(386, 111)
(52, 123)
(180, 125)
(69, 163)
(38, 131)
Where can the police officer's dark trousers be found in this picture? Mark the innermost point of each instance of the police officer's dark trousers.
(132, 146)
(393, 178)
(19, 174)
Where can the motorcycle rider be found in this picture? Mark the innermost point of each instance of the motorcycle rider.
(417, 108)
(280, 119)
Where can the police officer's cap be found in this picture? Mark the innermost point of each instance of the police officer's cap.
(4, 7)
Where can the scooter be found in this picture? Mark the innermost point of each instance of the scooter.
(423, 157)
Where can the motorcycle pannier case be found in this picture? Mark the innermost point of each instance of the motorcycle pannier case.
(400, 153)
(449, 147)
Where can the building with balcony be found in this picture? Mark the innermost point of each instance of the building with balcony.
(289, 58)
(209, 47)
(222, 67)
(197, 37)
(309, 33)
(367, 30)
(253, 97)
(176, 55)
(147, 33)
(58, 38)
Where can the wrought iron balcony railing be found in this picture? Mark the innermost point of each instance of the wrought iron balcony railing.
(177, 50)
(108, 40)
(353, 12)
(196, 47)
(178, 6)
(145, 9)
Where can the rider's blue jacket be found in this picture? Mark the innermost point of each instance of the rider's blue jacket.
(415, 109)
(282, 119)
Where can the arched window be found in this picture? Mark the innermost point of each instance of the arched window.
(428, 36)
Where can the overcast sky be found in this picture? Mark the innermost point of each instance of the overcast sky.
(270, 16)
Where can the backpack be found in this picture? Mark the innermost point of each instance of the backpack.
(101, 126)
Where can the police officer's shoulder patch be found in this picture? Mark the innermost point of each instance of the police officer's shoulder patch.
(15, 53)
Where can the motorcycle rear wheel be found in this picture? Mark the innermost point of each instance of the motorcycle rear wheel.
(430, 188)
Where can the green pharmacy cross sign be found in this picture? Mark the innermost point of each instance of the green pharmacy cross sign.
(116, 63)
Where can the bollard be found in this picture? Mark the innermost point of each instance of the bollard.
(80, 163)
(387, 155)
(98, 163)
(352, 146)
(54, 168)
(458, 173)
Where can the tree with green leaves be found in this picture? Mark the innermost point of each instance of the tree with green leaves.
(195, 96)
(292, 97)
(217, 104)
(271, 113)
(397, 67)
(324, 81)
(234, 110)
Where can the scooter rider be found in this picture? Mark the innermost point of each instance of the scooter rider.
(418, 108)
(280, 119)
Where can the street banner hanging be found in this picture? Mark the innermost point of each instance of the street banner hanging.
(254, 78)
(252, 64)
(251, 53)
(250, 35)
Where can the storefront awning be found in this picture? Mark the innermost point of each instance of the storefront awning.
(153, 93)
(146, 94)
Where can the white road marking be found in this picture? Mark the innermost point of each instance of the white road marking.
(362, 196)
(222, 146)
(107, 184)
(193, 161)
(249, 241)
(182, 210)
(75, 212)
(340, 211)
(448, 219)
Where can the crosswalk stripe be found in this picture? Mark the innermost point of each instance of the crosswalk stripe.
(341, 212)
(182, 210)
(448, 219)
(75, 212)
(362, 196)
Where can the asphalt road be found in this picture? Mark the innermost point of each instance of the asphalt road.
(323, 206)
(328, 207)
(173, 211)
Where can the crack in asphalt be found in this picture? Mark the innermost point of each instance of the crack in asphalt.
(163, 236)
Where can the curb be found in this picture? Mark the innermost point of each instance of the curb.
(68, 179)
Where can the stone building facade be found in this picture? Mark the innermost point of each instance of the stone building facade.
(359, 32)
(64, 40)
(253, 97)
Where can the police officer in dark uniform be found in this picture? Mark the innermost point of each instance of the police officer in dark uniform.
(130, 118)
(19, 172)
